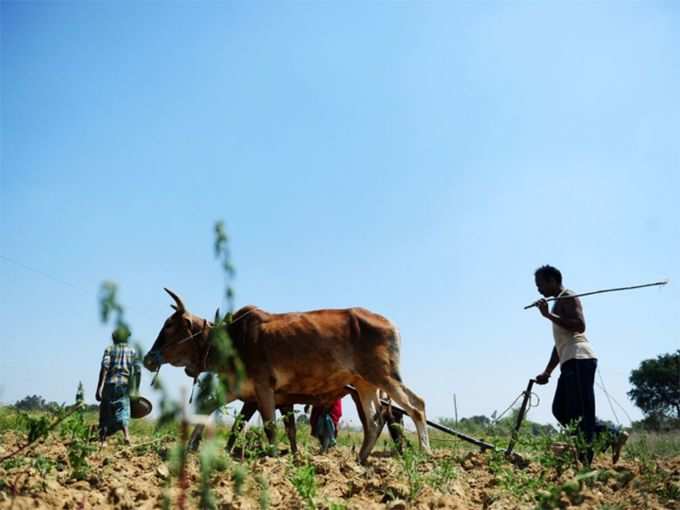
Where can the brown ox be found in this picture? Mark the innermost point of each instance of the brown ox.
(284, 403)
(308, 353)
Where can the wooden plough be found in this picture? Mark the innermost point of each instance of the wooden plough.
(478, 442)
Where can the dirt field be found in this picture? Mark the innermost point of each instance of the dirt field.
(139, 478)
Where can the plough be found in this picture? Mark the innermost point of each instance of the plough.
(478, 442)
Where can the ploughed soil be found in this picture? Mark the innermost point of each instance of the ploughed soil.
(139, 478)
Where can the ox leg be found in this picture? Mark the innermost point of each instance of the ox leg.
(267, 408)
(246, 413)
(289, 422)
(196, 436)
(414, 407)
(370, 405)
(394, 425)
(197, 433)
(360, 410)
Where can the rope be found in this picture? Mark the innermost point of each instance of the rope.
(611, 398)
(606, 393)
(530, 404)
(497, 419)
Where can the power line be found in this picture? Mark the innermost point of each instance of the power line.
(42, 273)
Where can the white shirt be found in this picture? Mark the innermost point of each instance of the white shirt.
(570, 344)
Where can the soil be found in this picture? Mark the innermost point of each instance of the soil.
(122, 479)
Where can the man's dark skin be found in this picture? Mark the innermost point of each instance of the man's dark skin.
(568, 313)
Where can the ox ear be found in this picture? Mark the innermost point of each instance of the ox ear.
(179, 305)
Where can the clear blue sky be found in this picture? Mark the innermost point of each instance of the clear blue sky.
(419, 159)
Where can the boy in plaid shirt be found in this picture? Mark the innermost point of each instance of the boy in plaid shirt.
(119, 374)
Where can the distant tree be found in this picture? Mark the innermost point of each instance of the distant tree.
(656, 386)
(480, 420)
(36, 403)
(31, 403)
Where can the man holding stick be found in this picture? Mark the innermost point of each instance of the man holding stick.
(574, 397)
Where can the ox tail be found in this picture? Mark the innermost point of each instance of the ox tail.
(395, 347)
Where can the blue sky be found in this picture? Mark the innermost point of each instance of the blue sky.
(418, 159)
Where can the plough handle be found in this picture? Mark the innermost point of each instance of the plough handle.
(520, 416)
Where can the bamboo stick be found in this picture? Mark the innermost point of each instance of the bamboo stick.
(663, 282)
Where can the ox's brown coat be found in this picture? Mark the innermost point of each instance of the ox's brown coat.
(305, 354)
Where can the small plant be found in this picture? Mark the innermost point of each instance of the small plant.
(77, 433)
(36, 427)
(238, 477)
(411, 460)
(44, 466)
(659, 481)
(264, 498)
(14, 462)
(304, 480)
(521, 484)
(207, 460)
(571, 489)
(336, 506)
(442, 475)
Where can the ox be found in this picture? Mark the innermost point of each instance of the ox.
(285, 406)
(309, 353)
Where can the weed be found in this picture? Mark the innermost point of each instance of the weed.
(442, 475)
(238, 477)
(8, 420)
(78, 435)
(14, 462)
(304, 480)
(411, 461)
(43, 465)
(658, 481)
(36, 427)
(263, 498)
(552, 496)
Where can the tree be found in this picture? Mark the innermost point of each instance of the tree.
(31, 403)
(656, 386)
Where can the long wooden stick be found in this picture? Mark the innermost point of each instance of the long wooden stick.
(464, 437)
(460, 435)
(664, 282)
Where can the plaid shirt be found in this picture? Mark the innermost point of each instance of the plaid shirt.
(120, 362)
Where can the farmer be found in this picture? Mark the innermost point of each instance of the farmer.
(574, 397)
(324, 423)
(120, 375)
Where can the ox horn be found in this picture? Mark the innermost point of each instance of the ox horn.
(179, 306)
